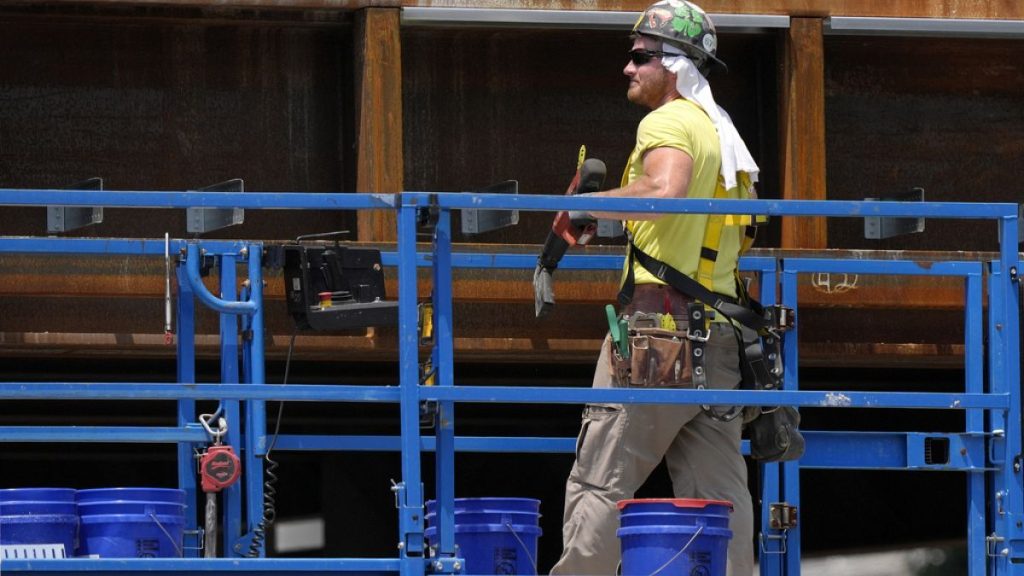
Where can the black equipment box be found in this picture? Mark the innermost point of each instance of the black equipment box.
(335, 287)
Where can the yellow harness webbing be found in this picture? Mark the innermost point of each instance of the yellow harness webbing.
(713, 231)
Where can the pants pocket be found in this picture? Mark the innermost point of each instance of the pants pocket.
(598, 445)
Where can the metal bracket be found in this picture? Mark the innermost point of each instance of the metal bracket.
(410, 521)
(444, 565)
(478, 221)
(877, 228)
(202, 220)
(243, 543)
(426, 218)
(610, 228)
(782, 516)
(66, 218)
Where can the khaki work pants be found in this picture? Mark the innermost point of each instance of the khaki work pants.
(618, 447)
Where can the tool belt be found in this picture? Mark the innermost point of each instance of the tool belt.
(661, 350)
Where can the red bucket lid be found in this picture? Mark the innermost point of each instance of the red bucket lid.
(678, 502)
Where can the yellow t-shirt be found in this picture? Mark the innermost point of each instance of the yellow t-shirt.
(676, 239)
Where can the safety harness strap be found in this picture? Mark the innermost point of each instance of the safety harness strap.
(702, 289)
(726, 305)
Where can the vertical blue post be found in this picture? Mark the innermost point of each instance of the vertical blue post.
(1008, 507)
(997, 425)
(974, 421)
(187, 471)
(443, 360)
(231, 500)
(410, 494)
(791, 469)
(769, 551)
(255, 411)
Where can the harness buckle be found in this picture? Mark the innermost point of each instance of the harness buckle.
(780, 319)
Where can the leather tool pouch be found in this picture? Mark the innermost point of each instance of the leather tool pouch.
(659, 358)
(775, 435)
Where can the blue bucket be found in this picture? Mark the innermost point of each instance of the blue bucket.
(493, 535)
(674, 536)
(132, 522)
(38, 522)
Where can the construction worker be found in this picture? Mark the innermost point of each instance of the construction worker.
(686, 147)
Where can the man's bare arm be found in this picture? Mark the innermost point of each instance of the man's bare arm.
(666, 175)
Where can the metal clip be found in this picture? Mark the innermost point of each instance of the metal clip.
(697, 335)
(222, 426)
(398, 488)
(782, 543)
(991, 543)
(425, 324)
(639, 320)
(782, 517)
(781, 319)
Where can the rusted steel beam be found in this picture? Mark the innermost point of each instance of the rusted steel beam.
(330, 348)
(62, 277)
(378, 97)
(111, 307)
(995, 9)
(1000, 9)
(803, 129)
(230, 4)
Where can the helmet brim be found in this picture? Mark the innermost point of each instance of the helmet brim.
(717, 65)
(691, 51)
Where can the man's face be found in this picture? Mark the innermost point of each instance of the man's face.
(650, 84)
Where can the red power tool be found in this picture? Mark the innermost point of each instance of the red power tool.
(568, 229)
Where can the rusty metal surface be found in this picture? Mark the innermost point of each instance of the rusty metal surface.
(346, 5)
(107, 307)
(175, 105)
(1008, 9)
(941, 114)
(63, 277)
(470, 123)
(886, 8)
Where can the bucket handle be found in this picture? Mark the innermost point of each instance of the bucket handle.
(533, 563)
(677, 554)
(168, 534)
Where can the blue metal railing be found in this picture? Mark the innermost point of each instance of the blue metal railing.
(988, 450)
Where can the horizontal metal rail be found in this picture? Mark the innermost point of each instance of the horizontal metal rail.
(103, 434)
(884, 267)
(112, 246)
(505, 394)
(185, 199)
(569, 19)
(187, 566)
(934, 27)
(451, 200)
(825, 449)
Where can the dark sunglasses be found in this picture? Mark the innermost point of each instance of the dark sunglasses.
(641, 57)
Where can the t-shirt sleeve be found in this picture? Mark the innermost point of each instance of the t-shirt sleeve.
(663, 131)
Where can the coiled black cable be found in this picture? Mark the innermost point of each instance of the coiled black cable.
(259, 534)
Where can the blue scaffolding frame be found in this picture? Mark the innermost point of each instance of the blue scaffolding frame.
(988, 450)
